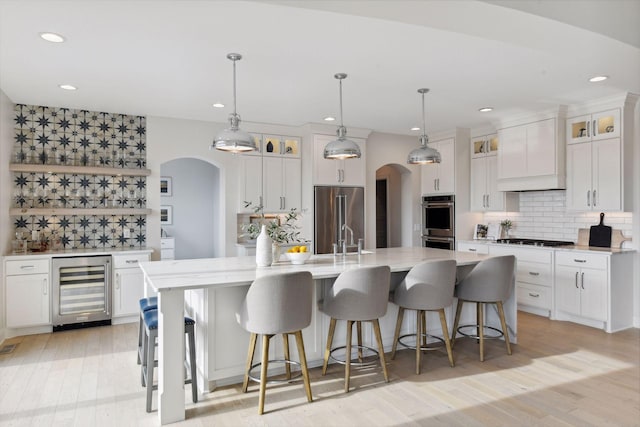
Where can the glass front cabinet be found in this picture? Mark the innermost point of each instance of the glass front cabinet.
(593, 127)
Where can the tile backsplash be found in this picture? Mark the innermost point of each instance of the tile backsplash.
(543, 215)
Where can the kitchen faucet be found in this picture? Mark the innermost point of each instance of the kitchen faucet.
(346, 229)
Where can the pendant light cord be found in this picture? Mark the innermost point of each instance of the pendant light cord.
(341, 123)
(424, 126)
(234, 88)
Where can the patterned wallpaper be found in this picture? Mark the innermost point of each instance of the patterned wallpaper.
(62, 136)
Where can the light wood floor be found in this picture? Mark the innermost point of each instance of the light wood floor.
(559, 374)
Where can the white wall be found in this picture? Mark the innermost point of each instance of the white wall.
(6, 148)
(636, 213)
(195, 201)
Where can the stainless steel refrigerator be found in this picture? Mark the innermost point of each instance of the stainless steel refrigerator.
(333, 208)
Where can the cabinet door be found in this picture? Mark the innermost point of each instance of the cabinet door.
(606, 175)
(579, 129)
(325, 171)
(478, 184)
(479, 147)
(128, 289)
(568, 289)
(250, 182)
(579, 177)
(606, 124)
(446, 168)
(512, 157)
(593, 286)
(429, 178)
(292, 184)
(272, 182)
(354, 170)
(541, 148)
(27, 300)
(495, 198)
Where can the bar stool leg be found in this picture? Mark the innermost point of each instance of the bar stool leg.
(192, 362)
(359, 330)
(383, 363)
(303, 363)
(505, 330)
(445, 335)
(327, 352)
(424, 328)
(285, 343)
(143, 359)
(456, 322)
(151, 339)
(347, 357)
(250, 353)
(140, 331)
(397, 334)
(263, 372)
(481, 329)
(418, 340)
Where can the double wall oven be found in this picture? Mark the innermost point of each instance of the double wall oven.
(438, 222)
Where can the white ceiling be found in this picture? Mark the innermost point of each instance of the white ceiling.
(168, 58)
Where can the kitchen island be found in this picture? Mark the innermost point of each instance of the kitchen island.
(220, 285)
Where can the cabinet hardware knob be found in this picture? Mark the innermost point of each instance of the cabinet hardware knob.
(582, 284)
(472, 250)
(579, 260)
(534, 295)
(534, 273)
(577, 280)
(27, 267)
(131, 261)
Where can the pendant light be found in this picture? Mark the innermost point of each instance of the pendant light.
(341, 148)
(425, 154)
(233, 139)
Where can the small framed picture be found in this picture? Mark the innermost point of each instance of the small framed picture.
(166, 215)
(165, 186)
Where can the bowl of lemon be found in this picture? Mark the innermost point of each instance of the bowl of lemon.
(298, 254)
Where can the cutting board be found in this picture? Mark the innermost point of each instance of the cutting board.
(616, 238)
(600, 234)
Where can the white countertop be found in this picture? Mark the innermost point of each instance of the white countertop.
(232, 271)
(78, 252)
(609, 251)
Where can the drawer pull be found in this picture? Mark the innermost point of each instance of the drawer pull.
(27, 267)
(534, 273)
(531, 294)
(472, 250)
(131, 261)
(579, 260)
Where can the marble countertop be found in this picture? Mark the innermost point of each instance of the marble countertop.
(233, 271)
(78, 252)
(610, 251)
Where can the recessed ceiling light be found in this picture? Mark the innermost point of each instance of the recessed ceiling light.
(52, 37)
(415, 128)
(329, 119)
(485, 109)
(596, 79)
(218, 105)
(67, 87)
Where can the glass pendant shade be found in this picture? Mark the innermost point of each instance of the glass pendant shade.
(233, 139)
(424, 154)
(341, 148)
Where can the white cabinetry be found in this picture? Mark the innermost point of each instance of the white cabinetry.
(595, 289)
(167, 248)
(282, 187)
(484, 194)
(534, 277)
(28, 290)
(349, 172)
(128, 284)
(439, 178)
(479, 248)
(272, 175)
(531, 156)
(591, 127)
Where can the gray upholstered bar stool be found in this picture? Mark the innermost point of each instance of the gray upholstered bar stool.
(277, 304)
(358, 295)
(490, 282)
(428, 286)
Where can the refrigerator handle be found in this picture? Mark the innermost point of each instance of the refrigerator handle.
(341, 204)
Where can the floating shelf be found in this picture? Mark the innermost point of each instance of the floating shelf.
(87, 170)
(78, 211)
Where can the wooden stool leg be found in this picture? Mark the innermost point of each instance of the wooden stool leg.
(481, 329)
(418, 340)
(263, 372)
(252, 349)
(505, 329)
(359, 329)
(456, 322)
(332, 329)
(192, 363)
(397, 334)
(376, 329)
(347, 357)
(303, 363)
(479, 322)
(285, 343)
(424, 328)
(445, 335)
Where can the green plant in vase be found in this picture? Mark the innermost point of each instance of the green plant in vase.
(287, 231)
(506, 226)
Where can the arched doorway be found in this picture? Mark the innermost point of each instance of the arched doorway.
(393, 206)
(194, 206)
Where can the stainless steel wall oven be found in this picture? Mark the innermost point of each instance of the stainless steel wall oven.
(438, 222)
(81, 291)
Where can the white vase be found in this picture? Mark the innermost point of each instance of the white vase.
(276, 252)
(263, 248)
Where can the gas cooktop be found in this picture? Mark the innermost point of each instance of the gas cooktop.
(535, 242)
